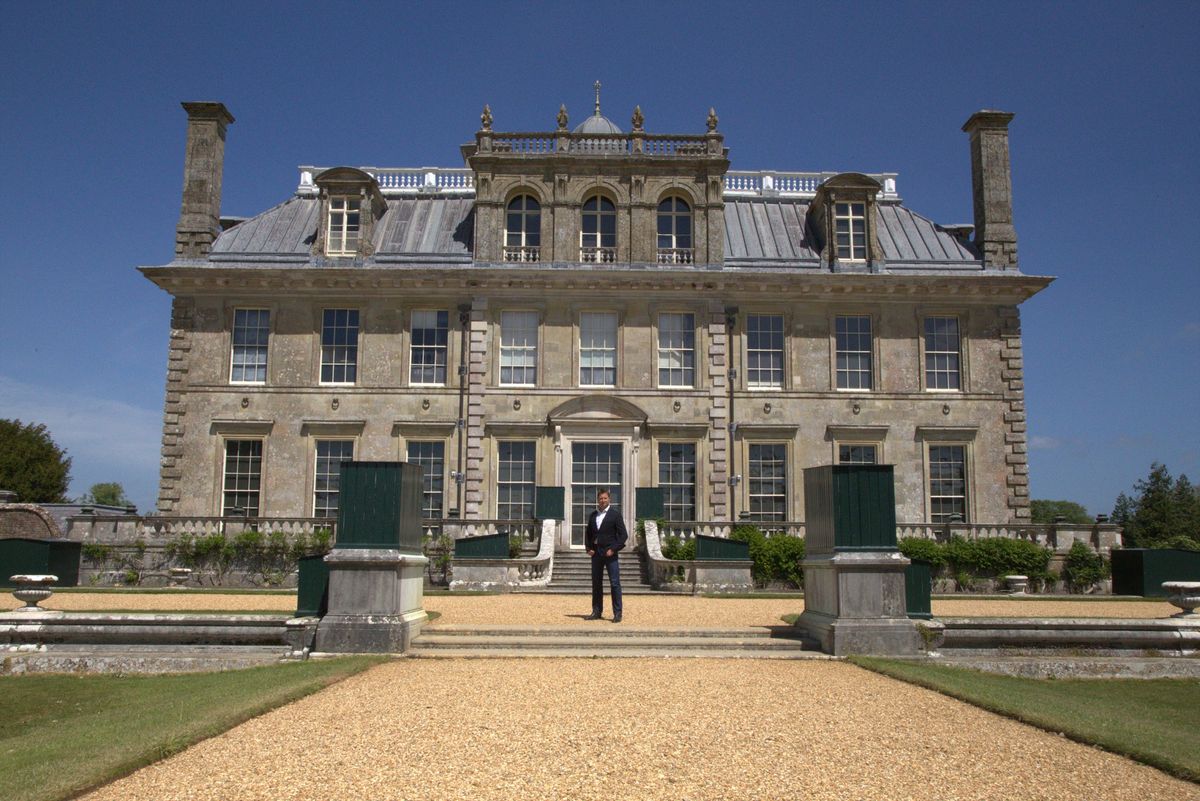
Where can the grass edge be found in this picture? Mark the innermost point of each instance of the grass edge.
(161, 751)
(881, 666)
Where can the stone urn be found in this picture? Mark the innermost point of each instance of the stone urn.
(179, 576)
(1185, 595)
(31, 590)
(1016, 584)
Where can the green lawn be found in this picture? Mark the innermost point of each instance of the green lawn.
(1150, 720)
(63, 734)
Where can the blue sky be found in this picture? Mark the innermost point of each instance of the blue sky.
(1105, 169)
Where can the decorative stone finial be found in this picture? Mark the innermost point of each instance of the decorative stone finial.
(638, 119)
(485, 119)
(712, 120)
(562, 117)
(596, 86)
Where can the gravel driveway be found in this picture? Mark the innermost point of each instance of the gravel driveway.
(637, 729)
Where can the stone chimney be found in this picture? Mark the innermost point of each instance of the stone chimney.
(200, 216)
(991, 181)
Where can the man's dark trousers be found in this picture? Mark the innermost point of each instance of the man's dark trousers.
(599, 563)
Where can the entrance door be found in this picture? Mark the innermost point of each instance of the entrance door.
(594, 465)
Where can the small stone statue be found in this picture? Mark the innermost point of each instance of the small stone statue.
(712, 120)
(485, 119)
(562, 117)
(638, 119)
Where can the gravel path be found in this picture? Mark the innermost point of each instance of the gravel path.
(564, 610)
(637, 729)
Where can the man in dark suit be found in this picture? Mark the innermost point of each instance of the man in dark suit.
(604, 538)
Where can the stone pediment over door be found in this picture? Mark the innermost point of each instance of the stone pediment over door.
(597, 409)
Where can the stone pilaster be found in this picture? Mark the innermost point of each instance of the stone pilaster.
(175, 408)
(717, 364)
(1016, 455)
(476, 384)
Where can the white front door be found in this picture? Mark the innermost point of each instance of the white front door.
(594, 466)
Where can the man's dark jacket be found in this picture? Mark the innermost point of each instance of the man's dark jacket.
(612, 533)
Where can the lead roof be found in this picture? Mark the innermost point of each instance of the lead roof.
(759, 232)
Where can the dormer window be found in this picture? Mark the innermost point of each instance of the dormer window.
(850, 227)
(343, 232)
(351, 205)
(598, 233)
(843, 215)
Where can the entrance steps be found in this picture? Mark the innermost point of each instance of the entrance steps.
(573, 574)
(603, 638)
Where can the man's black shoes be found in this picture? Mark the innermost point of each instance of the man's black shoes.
(592, 617)
(616, 618)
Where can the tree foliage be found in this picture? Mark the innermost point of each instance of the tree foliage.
(31, 464)
(1043, 511)
(1161, 512)
(107, 493)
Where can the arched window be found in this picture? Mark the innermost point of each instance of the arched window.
(523, 229)
(675, 232)
(598, 233)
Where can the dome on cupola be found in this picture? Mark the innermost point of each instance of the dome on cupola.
(597, 124)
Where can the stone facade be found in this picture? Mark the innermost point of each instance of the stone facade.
(421, 257)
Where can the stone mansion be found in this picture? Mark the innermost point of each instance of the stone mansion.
(585, 306)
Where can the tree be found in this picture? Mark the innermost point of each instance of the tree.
(31, 464)
(107, 493)
(1044, 511)
(1163, 513)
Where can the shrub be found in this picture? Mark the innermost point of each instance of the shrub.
(996, 556)
(675, 548)
(1083, 568)
(925, 550)
(775, 558)
(514, 546)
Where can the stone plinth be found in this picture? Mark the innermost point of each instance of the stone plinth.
(375, 601)
(854, 603)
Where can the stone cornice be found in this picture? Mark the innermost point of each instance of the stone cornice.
(405, 278)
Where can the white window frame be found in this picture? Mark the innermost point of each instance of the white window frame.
(428, 491)
(263, 349)
(316, 473)
(674, 247)
(342, 235)
(838, 351)
(695, 485)
(595, 247)
(749, 481)
(331, 350)
(588, 348)
(524, 243)
(968, 484)
(959, 354)
(519, 355)
(685, 353)
(854, 214)
(258, 492)
(757, 384)
(500, 483)
(442, 349)
(876, 446)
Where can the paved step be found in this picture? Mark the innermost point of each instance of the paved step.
(605, 639)
(138, 658)
(573, 574)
